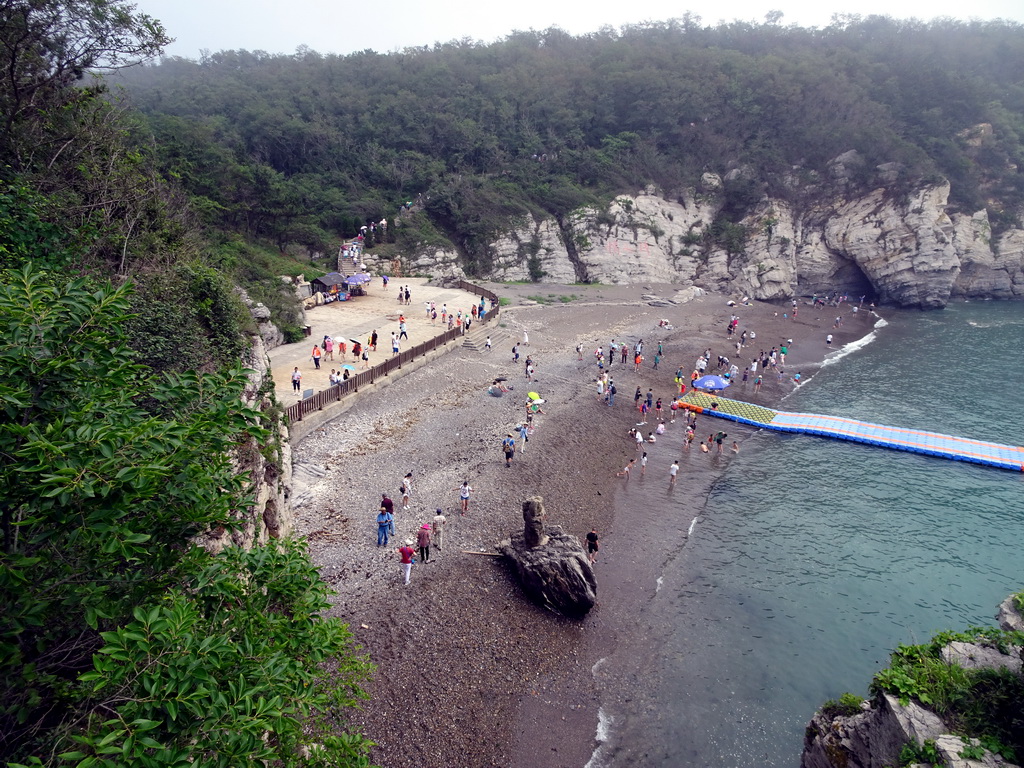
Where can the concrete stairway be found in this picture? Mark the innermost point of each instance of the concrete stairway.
(476, 339)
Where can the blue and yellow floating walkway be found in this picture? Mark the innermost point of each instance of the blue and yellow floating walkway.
(913, 440)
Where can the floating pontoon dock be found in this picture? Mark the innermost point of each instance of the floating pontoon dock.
(913, 440)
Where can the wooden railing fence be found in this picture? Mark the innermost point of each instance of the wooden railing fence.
(333, 394)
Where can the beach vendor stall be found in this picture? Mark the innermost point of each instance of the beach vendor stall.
(356, 284)
(332, 286)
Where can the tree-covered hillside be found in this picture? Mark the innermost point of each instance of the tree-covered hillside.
(305, 148)
(124, 436)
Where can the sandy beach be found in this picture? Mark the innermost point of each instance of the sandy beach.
(469, 672)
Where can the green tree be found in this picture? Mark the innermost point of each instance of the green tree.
(46, 46)
(117, 629)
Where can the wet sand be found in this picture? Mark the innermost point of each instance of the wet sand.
(470, 673)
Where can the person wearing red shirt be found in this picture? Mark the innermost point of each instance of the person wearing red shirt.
(406, 554)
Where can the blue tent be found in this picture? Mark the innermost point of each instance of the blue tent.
(710, 382)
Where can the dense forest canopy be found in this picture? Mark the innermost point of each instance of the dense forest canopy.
(307, 147)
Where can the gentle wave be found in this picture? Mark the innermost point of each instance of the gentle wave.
(604, 732)
(849, 349)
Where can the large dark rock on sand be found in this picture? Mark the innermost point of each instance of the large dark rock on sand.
(551, 564)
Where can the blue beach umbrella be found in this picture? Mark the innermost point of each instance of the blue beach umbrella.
(710, 382)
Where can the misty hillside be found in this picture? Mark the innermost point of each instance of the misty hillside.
(307, 147)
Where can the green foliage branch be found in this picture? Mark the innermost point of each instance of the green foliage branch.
(118, 631)
(981, 703)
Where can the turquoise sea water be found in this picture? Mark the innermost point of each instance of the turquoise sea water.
(814, 558)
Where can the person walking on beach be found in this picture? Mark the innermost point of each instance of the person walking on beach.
(385, 521)
(487, 344)
(515, 353)
(673, 472)
(625, 353)
(296, 380)
(406, 553)
(464, 492)
(592, 545)
(524, 435)
(508, 446)
(423, 542)
(643, 464)
(526, 338)
(611, 393)
(373, 340)
(757, 385)
(828, 340)
(437, 527)
(636, 397)
(407, 486)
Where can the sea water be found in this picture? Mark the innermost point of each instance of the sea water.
(814, 558)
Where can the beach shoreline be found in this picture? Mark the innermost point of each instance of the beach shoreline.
(469, 671)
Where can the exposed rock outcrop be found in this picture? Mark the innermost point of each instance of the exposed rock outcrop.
(872, 738)
(269, 466)
(899, 248)
(551, 564)
(875, 736)
(269, 333)
(1009, 616)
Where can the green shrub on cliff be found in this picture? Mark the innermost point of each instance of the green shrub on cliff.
(122, 643)
(979, 703)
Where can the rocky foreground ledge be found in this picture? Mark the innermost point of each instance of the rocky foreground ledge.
(875, 736)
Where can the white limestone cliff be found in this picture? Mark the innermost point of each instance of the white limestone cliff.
(898, 249)
(269, 466)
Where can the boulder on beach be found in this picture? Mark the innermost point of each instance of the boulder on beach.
(551, 565)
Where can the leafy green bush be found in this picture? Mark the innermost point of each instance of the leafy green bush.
(123, 644)
(981, 703)
(926, 753)
(846, 705)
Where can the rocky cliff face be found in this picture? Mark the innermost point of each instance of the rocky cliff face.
(269, 465)
(898, 249)
(874, 736)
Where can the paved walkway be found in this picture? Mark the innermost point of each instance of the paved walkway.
(357, 319)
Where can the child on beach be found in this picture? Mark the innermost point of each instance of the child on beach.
(643, 464)
(625, 470)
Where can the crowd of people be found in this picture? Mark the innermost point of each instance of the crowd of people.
(655, 418)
